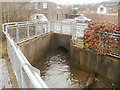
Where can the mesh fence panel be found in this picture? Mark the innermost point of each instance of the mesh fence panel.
(40, 29)
(22, 32)
(57, 27)
(12, 33)
(32, 31)
(66, 29)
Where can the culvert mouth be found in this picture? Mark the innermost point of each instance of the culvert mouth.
(63, 49)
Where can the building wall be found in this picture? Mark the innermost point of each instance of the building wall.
(114, 9)
(51, 12)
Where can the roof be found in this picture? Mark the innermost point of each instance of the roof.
(39, 0)
(109, 4)
(58, 7)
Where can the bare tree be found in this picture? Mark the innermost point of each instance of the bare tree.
(16, 11)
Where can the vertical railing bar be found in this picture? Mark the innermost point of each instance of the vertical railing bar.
(47, 28)
(36, 25)
(43, 27)
(28, 31)
(71, 28)
(17, 33)
(53, 29)
(61, 27)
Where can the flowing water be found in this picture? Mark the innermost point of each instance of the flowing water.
(57, 71)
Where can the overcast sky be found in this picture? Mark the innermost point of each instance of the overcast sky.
(61, 1)
(78, 1)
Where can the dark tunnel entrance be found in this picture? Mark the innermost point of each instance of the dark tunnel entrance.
(63, 49)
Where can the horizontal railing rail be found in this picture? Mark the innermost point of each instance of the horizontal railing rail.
(27, 75)
(18, 32)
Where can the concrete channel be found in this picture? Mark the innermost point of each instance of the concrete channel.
(105, 66)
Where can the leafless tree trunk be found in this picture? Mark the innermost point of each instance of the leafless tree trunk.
(16, 11)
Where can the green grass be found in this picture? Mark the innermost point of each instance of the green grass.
(79, 40)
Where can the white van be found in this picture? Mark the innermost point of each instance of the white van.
(39, 18)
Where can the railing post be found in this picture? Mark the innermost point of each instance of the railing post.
(101, 42)
(74, 31)
(43, 27)
(53, 27)
(50, 26)
(47, 28)
(61, 25)
(28, 33)
(71, 28)
(17, 33)
(6, 29)
(36, 24)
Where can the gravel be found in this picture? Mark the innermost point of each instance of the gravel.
(5, 81)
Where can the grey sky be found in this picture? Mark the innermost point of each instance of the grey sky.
(61, 1)
(79, 1)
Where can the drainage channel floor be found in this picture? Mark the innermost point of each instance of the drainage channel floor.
(57, 72)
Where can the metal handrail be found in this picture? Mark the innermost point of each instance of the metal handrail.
(35, 78)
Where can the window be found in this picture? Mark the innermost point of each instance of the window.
(45, 5)
(101, 9)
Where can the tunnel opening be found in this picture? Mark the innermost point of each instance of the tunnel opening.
(63, 49)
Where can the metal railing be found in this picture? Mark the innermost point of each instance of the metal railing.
(27, 75)
(109, 42)
(17, 32)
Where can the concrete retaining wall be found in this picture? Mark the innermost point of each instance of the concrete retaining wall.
(62, 41)
(105, 66)
(88, 60)
(38, 47)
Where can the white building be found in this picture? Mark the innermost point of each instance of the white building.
(104, 7)
(101, 9)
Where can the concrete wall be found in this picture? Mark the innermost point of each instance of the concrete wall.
(88, 60)
(38, 47)
(62, 40)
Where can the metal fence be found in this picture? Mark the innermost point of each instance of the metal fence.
(62, 27)
(108, 42)
(27, 75)
(17, 32)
